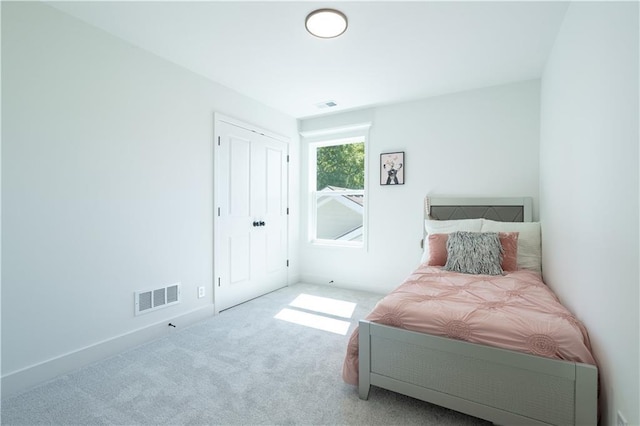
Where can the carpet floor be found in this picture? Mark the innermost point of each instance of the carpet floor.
(244, 366)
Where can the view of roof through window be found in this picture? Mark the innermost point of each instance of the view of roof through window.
(340, 192)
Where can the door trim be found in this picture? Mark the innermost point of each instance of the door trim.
(247, 126)
(221, 118)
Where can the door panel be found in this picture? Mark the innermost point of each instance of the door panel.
(275, 209)
(275, 253)
(239, 269)
(275, 199)
(251, 194)
(239, 166)
(275, 212)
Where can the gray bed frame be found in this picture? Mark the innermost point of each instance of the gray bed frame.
(502, 386)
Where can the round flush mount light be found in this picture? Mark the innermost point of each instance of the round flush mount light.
(326, 23)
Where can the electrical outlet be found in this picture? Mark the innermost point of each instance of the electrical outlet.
(200, 292)
(621, 421)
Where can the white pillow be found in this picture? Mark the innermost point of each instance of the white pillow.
(529, 244)
(447, 227)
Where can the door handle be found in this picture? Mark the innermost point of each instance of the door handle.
(259, 223)
(262, 223)
(255, 223)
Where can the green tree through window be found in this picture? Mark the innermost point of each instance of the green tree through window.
(341, 166)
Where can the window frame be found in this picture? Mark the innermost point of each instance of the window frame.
(313, 193)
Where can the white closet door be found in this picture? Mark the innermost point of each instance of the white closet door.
(250, 231)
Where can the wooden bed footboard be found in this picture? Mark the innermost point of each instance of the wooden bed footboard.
(502, 386)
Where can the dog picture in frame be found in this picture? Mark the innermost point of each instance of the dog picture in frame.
(392, 168)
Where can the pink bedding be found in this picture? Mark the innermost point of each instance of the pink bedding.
(516, 311)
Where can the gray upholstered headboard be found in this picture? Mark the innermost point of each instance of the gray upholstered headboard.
(518, 209)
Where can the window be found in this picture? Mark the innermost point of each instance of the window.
(337, 184)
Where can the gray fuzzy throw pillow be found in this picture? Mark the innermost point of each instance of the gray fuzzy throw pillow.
(474, 253)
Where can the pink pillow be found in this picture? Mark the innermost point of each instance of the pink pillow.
(437, 249)
(508, 240)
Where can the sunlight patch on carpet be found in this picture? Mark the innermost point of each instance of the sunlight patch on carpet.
(314, 321)
(324, 305)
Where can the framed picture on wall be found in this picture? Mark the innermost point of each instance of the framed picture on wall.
(392, 168)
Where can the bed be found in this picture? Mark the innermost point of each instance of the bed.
(504, 382)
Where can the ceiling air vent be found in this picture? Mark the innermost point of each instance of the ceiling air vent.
(326, 104)
(151, 300)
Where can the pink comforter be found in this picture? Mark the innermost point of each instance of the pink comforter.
(516, 311)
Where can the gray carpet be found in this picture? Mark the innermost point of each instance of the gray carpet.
(240, 367)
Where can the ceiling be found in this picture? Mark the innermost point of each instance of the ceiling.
(391, 52)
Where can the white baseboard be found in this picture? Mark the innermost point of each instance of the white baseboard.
(313, 279)
(293, 279)
(26, 378)
(347, 285)
(325, 280)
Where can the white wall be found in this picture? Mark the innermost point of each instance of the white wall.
(106, 188)
(478, 143)
(589, 188)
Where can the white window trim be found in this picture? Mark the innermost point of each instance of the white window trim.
(330, 137)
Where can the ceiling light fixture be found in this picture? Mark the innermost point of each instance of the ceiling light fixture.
(326, 23)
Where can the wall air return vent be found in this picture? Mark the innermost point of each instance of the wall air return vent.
(151, 300)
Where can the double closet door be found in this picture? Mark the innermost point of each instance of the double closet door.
(250, 229)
